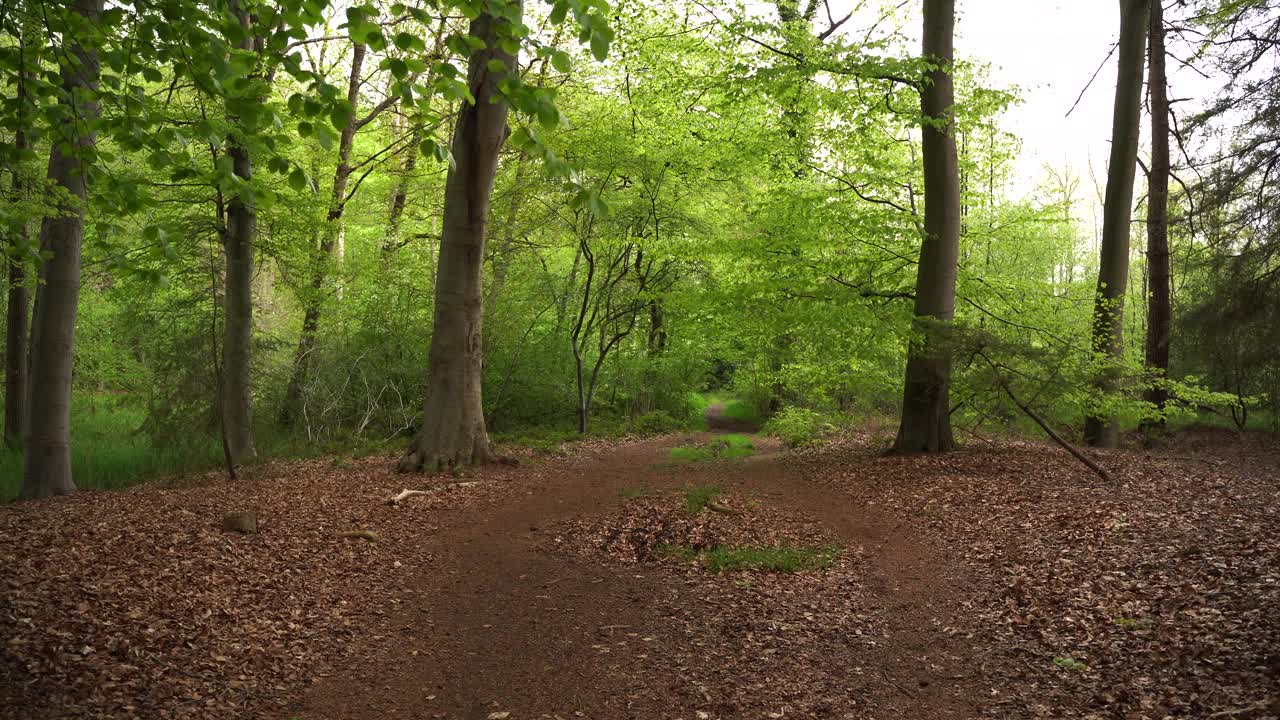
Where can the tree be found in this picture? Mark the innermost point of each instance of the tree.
(1159, 313)
(238, 240)
(926, 418)
(453, 429)
(47, 459)
(15, 346)
(1113, 269)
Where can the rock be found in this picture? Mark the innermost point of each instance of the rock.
(241, 522)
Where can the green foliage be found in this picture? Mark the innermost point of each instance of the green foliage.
(1069, 663)
(698, 497)
(797, 426)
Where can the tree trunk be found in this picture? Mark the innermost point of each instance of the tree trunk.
(453, 430)
(324, 255)
(1113, 270)
(237, 327)
(1159, 313)
(47, 460)
(926, 419)
(15, 345)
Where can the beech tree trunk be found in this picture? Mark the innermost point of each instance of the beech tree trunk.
(47, 458)
(926, 418)
(453, 429)
(237, 343)
(1159, 312)
(1117, 210)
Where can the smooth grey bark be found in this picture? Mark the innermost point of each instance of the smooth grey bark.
(1159, 311)
(19, 300)
(1117, 210)
(324, 252)
(926, 419)
(453, 428)
(47, 456)
(238, 242)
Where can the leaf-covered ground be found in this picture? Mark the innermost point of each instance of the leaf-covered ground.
(1002, 581)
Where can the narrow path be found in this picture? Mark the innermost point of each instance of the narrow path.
(502, 626)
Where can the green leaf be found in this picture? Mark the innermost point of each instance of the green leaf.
(298, 179)
(561, 62)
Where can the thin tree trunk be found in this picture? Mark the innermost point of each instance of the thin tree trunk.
(15, 346)
(926, 419)
(1159, 311)
(1113, 270)
(237, 327)
(332, 235)
(47, 460)
(453, 429)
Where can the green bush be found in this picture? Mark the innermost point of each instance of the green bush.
(656, 422)
(797, 426)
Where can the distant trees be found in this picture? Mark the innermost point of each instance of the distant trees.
(926, 411)
(1100, 427)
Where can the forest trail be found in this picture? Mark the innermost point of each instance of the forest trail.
(500, 624)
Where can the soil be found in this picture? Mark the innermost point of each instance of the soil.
(1001, 581)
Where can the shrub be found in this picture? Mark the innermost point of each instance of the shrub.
(656, 422)
(797, 426)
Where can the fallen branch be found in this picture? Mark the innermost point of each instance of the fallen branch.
(369, 535)
(1004, 385)
(407, 493)
(1095, 467)
(1207, 461)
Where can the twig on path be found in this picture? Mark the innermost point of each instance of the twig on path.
(407, 493)
(1260, 705)
(1207, 461)
(901, 689)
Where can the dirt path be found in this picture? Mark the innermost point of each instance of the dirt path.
(499, 625)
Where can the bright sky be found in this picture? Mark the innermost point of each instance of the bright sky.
(1049, 49)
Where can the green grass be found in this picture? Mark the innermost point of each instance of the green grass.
(107, 452)
(745, 558)
(698, 497)
(729, 446)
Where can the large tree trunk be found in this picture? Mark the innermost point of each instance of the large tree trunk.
(237, 343)
(1159, 314)
(453, 430)
(15, 345)
(324, 252)
(1113, 271)
(926, 419)
(47, 460)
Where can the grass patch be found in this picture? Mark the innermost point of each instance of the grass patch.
(1070, 663)
(730, 446)
(744, 558)
(698, 497)
(108, 452)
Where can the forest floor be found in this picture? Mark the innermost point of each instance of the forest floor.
(1001, 581)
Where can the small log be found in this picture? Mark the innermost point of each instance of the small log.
(369, 535)
(407, 493)
(243, 522)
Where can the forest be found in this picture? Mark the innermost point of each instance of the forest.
(429, 358)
